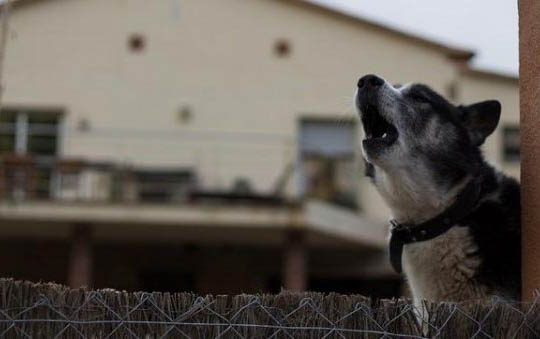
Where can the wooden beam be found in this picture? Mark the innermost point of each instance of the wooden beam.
(529, 87)
(80, 257)
(295, 271)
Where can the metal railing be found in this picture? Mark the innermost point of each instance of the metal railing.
(39, 178)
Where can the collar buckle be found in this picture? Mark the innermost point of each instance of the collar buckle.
(395, 226)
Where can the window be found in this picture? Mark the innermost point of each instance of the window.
(42, 134)
(328, 161)
(7, 132)
(511, 142)
(28, 133)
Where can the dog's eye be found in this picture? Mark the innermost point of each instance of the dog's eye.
(419, 98)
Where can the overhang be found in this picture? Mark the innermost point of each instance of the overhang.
(325, 225)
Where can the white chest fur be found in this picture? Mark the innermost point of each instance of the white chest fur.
(443, 268)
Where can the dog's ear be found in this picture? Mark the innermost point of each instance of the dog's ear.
(481, 119)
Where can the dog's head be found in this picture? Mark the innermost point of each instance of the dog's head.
(412, 127)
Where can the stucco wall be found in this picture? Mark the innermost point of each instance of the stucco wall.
(215, 57)
(478, 87)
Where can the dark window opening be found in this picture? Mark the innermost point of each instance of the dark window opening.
(29, 132)
(8, 131)
(511, 143)
(328, 161)
(7, 142)
(42, 182)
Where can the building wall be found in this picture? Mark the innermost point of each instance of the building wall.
(476, 87)
(217, 60)
(215, 57)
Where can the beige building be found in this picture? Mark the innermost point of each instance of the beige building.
(206, 145)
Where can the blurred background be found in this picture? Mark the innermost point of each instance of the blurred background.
(212, 145)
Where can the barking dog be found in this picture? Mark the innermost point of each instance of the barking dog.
(455, 231)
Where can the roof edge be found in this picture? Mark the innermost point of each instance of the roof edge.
(455, 53)
(492, 75)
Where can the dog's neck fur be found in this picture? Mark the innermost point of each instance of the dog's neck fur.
(414, 196)
(440, 268)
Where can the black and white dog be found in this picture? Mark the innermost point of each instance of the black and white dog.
(456, 220)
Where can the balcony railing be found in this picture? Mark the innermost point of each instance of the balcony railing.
(39, 178)
(25, 178)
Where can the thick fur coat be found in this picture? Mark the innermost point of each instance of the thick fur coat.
(420, 151)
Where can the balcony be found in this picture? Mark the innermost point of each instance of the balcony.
(25, 178)
(70, 191)
(60, 201)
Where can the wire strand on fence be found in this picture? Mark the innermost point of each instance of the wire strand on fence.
(30, 310)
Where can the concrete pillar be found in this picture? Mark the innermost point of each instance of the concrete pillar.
(80, 257)
(295, 257)
(529, 87)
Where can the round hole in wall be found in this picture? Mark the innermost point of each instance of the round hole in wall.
(185, 114)
(136, 42)
(282, 48)
(83, 125)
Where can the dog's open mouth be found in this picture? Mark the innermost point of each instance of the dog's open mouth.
(377, 129)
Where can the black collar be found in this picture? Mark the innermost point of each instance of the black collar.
(402, 234)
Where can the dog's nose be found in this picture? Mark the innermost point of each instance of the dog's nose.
(370, 80)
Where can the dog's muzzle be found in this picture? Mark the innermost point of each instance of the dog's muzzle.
(379, 132)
